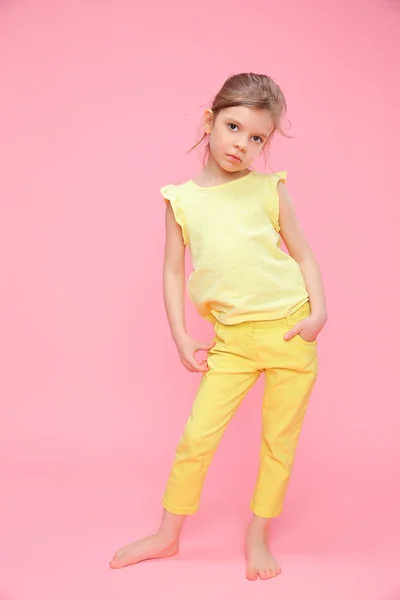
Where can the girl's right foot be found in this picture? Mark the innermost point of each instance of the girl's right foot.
(154, 546)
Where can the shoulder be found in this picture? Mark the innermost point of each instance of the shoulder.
(278, 179)
(274, 186)
(270, 193)
(170, 191)
(284, 196)
(271, 179)
(173, 191)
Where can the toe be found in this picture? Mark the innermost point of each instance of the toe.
(116, 561)
(263, 575)
(273, 572)
(251, 574)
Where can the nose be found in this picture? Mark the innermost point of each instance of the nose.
(241, 144)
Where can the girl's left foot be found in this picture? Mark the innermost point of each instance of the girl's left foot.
(260, 562)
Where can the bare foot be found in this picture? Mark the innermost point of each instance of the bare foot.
(154, 546)
(260, 562)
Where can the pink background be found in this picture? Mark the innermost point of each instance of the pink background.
(99, 103)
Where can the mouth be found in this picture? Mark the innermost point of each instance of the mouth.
(234, 158)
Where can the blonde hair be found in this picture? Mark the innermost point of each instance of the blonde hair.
(255, 91)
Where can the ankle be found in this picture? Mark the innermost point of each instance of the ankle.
(259, 527)
(166, 537)
(171, 527)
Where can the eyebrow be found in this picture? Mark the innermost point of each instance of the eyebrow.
(240, 124)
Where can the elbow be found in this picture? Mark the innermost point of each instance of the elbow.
(306, 258)
(173, 269)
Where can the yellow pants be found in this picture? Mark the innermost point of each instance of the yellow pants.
(236, 361)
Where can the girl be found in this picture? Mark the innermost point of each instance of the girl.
(267, 307)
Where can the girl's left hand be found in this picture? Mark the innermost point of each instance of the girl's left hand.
(309, 328)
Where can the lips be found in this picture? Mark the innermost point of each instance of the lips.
(234, 157)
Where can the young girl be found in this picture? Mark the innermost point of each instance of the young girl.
(267, 307)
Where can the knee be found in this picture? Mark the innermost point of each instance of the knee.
(195, 443)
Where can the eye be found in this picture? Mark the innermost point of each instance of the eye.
(230, 125)
(259, 139)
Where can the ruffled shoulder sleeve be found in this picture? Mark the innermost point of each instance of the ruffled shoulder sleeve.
(170, 194)
(273, 197)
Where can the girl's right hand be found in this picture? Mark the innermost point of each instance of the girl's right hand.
(187, 348)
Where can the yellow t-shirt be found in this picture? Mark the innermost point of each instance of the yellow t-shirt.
(232, 230)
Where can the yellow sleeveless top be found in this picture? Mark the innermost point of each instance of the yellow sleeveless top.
(239, 272)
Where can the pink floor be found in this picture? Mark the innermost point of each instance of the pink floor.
(61, 526)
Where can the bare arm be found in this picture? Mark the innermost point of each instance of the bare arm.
(174, 276)
(299, 249)
(174, 295)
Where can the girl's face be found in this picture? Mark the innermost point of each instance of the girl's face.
(237, 135)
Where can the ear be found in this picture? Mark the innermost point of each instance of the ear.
(208, 120)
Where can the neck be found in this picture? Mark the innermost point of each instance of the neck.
(213, 174)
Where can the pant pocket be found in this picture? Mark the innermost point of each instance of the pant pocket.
(301, 313)
(313, 343)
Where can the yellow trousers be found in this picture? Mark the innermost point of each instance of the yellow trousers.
(241, 353)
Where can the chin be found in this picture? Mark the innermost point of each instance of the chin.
(231, 167)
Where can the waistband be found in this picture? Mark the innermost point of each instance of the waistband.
(300, 313)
